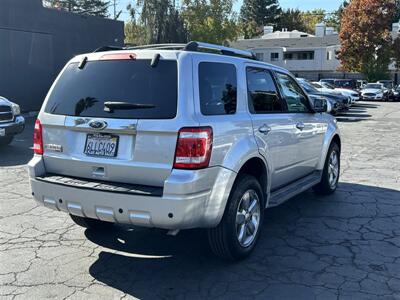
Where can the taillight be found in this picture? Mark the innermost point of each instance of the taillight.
(38, 138)
(193, 148)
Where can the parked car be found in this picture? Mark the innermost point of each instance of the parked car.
(342, 102)
(11, 121)
(178, 137)
(396, 93)
(375, 91)
(389, 85)
(324, 87)
(349, 84)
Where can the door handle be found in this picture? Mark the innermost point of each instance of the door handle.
(300, 125)
(264, 129)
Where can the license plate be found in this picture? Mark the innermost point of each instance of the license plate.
(102, 145)
(2, 132)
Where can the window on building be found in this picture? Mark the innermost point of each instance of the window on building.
(218, 88)
(274, 56)
(299, 55)
(260, 56)
(262, 93)
(328, 55)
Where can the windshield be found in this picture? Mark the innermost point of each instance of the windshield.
(328, 85)
(316, 85)
(348, 84)
(308, 86)
(373, 86)
(83, 92)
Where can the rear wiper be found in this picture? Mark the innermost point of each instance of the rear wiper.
(110, 106)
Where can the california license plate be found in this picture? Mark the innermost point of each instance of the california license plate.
(2, 132)
(102, 145)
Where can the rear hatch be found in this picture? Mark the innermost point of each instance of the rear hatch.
(113, 119)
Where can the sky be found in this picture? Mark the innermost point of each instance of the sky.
(328, 5)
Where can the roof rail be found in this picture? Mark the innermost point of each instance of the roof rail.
(198, 46)
(191, 46)
(108, 48)
(159, 47)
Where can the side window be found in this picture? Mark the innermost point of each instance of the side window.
(296, 100)
(262, 93)
(218, 88)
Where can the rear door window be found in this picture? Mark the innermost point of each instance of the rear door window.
(218, 88)
(83, 92)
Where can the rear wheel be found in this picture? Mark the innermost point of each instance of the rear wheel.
(4, 141)
(92, 223)
(330, 174)
(238, 232)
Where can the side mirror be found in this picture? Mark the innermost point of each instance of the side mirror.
(320, 105)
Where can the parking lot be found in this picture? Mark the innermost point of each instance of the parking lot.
(346, 245)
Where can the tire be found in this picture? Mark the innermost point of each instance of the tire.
(4, 141)
(329, 184)
(92, 223)
(224, 239)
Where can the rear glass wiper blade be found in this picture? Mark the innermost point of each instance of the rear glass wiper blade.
(110, 106)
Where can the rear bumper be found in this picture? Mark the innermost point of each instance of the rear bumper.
(14, 127)
(190, 199)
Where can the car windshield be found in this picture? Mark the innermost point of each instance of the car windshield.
(373, 86)
(308, 86)
(349, 84)
(328, 85)
(316, 85)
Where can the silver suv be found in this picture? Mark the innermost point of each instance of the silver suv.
(179, 137)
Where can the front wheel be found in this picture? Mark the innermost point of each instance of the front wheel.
(91, 223)
(330, 174)
(237, 234)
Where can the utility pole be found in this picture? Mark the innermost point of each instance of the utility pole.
(115, 8)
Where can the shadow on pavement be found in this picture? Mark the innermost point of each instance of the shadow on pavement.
(19, 152)
(300, 241)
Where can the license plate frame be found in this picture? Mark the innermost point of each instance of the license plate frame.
(104, 153)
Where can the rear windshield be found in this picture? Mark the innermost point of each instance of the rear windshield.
(82, 92)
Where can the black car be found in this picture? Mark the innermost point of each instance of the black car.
(396, 93)
(11, 121)
(342, 102)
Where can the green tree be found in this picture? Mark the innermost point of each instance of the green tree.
(156, 21)
(312, 18)
(365, 37)
(83, 7)
(291, 19)
(212, 21)
(254, 14)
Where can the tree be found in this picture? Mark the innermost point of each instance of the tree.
(155, 21)
(212, 21)
(365, 37)
(312, 18)
(254, 14)
(291, 19)
(83, 7)
(396, 53)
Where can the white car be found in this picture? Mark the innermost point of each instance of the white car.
(354, 96)
(374, 91)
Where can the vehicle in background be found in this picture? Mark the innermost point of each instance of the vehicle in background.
(179, 137)
(396, 93)
(361, 83)
(11, 121)
(343, 102)
(375, 91)
(349, 84)
(389, 85)
(354, 96)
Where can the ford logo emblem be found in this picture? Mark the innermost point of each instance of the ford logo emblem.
(98, 124)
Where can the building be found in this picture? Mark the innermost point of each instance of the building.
(305, 55)
(36, 42)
